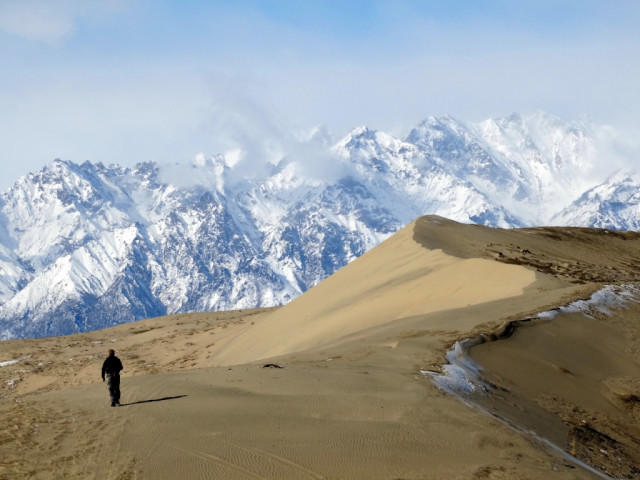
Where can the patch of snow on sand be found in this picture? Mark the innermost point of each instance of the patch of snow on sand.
(608, 297)
(461, 375)
(12, 362)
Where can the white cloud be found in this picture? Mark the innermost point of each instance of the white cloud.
(618, 152)
(35, 21)
(252, 132)
(240, 119)
(51, 21)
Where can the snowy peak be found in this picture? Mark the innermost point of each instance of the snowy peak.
(435, 133)
(526, 162)
(540, 140)
(614, 204)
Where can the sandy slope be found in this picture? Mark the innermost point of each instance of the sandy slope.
(398, 279)
(350, 402)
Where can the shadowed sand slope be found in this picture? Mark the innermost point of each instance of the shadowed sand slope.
(350, 402)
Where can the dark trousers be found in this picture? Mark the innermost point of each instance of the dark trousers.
(113, 383)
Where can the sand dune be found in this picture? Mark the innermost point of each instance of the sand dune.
(398, 279)
(350, 401)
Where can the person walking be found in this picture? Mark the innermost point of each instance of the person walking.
(111, 370)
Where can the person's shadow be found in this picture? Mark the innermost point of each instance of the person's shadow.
(152, 400)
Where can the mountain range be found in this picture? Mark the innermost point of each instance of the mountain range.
(88, 246)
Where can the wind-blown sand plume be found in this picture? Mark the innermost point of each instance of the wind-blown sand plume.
(350, 401)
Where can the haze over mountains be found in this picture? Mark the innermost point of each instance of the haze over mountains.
(88, 246)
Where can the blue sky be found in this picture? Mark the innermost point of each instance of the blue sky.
(124, 81)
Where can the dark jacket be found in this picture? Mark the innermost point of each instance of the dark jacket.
(111, 365)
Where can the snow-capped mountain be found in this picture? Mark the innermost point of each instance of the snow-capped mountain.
(87, 246)
(614, 204)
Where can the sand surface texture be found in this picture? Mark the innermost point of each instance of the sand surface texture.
(349, 400)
